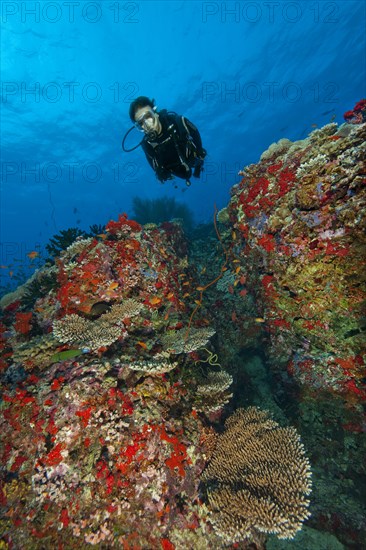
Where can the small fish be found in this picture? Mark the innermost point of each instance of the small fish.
(99, 307)
(243, 292)
(112, 286)
(203, 270)
(198, 302)
(234, 235)
(33, 254)
(142, 344)
(186, 295)
(11, 273)
(68, 354)
(259, 320)
(4, 267)
(170, 295)
(186, 283)
(237, 269)
(155, 300)
(102, 236)
(200, 288)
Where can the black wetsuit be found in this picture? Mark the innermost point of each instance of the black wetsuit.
(177, 150)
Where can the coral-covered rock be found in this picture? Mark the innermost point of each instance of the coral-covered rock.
(300, 217)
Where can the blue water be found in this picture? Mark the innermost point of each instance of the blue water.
(246, 73)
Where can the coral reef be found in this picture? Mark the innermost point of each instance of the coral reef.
(300, 217)
(119, 361)
(108, 394)
(258, 479)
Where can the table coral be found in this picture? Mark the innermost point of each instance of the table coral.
(258, 479)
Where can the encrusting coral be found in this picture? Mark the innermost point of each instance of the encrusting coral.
(299, 220)
(258, 478)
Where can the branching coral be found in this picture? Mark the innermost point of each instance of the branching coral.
(258, 478)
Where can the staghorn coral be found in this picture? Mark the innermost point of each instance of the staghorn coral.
(258, 478)
(214, 393)
(176, 342)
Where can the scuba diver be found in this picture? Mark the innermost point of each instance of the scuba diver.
(172, 144)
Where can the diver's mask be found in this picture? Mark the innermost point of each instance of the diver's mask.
(148, 122)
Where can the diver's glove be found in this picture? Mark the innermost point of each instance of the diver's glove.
(163, 175)
(198, 167)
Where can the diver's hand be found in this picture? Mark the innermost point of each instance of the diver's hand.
(198, 167)
(163, 175)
